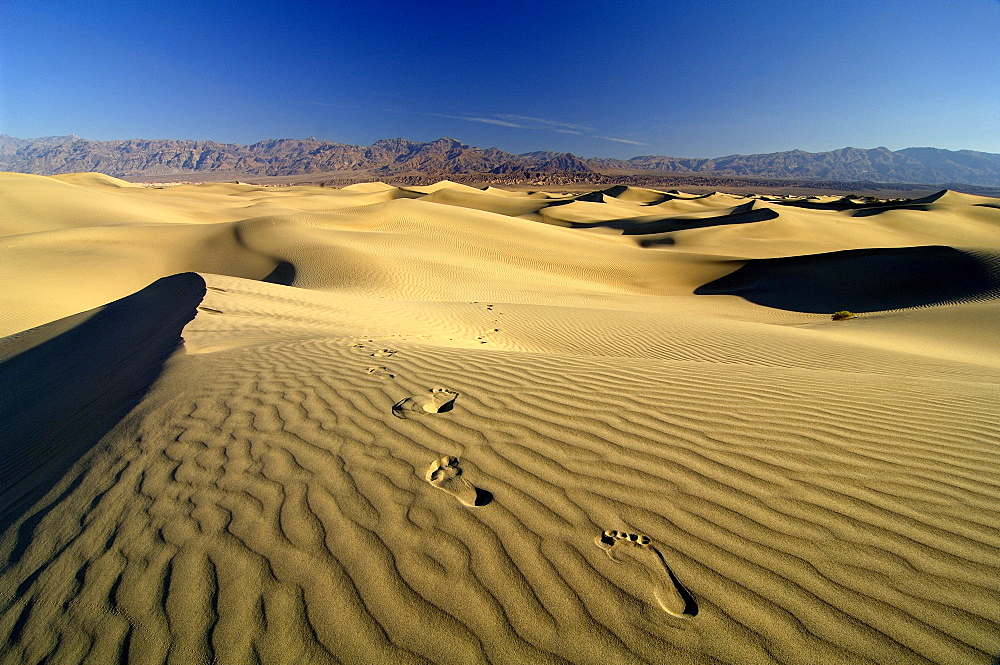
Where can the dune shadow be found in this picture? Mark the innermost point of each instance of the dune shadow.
(878, 210)
(596, 196)
(284, 274)
(860, 280)
(63, 395)
(744, 214)
(648, 196)
(866, 208)
(841, 204)
(661, 240)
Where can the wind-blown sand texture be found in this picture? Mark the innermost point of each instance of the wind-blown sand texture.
(445, 425)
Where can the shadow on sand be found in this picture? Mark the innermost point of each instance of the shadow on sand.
(868, 208)
(861, 280)
(744, 214)
(60, 397)
(284, 274)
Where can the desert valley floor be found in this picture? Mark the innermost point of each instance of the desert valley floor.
(440, 424)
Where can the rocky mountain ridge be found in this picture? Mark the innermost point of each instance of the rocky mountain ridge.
(909, 165)
(446, 156)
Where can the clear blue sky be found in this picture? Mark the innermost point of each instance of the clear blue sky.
(699, 78)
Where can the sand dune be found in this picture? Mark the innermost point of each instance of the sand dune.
(446, 425)
(65, 391)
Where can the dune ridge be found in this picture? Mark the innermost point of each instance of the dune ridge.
(64, 393)
(461, 433)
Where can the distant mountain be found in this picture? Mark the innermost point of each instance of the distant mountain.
(446, 156)
(910, 165)
(276, 157)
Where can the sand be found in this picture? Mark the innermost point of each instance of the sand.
(444, 425)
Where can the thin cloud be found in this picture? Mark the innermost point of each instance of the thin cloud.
(510, 120)
(476, 118)
(543, 123)
(611, 138)
(530, 122)
(520, 122)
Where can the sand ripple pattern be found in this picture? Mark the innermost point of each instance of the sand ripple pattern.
(445, 425)
(280, 514)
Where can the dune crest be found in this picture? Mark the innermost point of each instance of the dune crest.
(448, 425)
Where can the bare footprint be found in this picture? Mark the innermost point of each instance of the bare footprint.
(670, 594)
(381, 372)
(438, 400)
(383, 353)
(446, 474)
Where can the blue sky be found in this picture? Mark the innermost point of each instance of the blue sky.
(700, 78)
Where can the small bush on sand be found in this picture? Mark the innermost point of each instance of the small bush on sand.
(843, 315)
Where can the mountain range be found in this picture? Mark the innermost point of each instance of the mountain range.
(446, 157)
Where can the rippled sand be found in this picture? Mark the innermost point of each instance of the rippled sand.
(439, 424)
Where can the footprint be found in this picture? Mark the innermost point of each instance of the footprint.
(440, 400)
(383, 353)
(670, 594)
(446, 474)
(381, 372)
(210, 310)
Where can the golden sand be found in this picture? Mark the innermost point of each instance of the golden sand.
(446, 425)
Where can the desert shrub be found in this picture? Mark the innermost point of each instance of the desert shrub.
(842, 315)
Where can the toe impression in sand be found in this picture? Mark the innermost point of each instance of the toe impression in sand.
(446, 474)
(672, 597)
(437, 400)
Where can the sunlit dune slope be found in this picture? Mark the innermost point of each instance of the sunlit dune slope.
(447, 425)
